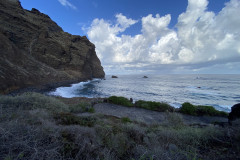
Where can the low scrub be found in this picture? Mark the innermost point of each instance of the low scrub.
(126, 120)
(31, 100)
(82, 107)
(27, 132)
(190, 109)
(155, 106)
(120, 101)
(70, 119)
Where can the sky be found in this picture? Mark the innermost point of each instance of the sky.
(154, 36)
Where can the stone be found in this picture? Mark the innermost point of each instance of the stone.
(114, 77)
(235, 113)
(145, 77)
(35, 51)
(131, 100)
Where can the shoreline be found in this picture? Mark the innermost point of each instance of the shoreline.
(46, 89)
(43, 89)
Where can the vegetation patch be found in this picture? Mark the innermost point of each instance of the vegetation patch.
(155, 106)
(126, 120)
(120, 101)
(27, 132)
(190, 109)
(70, 119)
(31, 100)
(82, 107)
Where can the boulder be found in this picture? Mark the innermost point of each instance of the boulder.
(35, 51)
(114, 77)
(235, 113)
(145, 77)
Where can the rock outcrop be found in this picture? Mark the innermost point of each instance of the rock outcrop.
(114, 76)
(235, 113)
(35, 51)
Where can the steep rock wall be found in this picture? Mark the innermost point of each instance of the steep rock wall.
(35, 51)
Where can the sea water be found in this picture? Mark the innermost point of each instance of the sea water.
(220, 91)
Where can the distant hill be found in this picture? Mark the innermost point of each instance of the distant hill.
(34, 51)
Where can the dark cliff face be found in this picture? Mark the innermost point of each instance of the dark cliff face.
(34, 50)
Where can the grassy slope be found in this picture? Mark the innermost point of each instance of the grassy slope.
(33, 125)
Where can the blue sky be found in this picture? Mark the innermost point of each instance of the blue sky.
(72, 20)
(154, 36)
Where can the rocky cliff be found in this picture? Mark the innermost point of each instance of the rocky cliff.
(35, 51)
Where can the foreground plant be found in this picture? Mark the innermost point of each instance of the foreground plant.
(188, 108)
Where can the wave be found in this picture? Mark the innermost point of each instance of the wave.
(174, 90)
(69, 92)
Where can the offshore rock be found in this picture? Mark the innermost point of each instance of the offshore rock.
(114, 76)
(35, 51)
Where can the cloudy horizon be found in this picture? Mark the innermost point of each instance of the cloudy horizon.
(201, 42)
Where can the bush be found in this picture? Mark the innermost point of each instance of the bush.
(175, 120)
(31, 100)
(126, 120)
(188, 108)
(120, 101)
(82, 107)
(155, 106)
(91, 110)
(70, 119)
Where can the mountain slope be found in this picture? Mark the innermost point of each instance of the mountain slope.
(34, 51)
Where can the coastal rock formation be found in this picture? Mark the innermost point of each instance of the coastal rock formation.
(35, 51)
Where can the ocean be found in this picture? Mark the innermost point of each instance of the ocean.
(219, 91)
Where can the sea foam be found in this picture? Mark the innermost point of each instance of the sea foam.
(69, 92)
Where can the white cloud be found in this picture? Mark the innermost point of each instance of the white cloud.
(200, 37)
(66, 3)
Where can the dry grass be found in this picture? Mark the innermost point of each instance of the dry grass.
(30, 130)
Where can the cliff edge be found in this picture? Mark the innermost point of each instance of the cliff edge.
(35, 51)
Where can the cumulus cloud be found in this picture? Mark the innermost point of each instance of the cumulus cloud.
(201, 38)
(66, 3)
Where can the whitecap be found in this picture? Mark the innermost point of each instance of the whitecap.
(69, 92)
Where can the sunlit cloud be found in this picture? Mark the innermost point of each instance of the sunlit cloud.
(201, 39)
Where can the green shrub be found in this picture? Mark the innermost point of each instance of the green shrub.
(126, 120)
(155, 106)
(222, 114)
(188, 108)
(82, 107)
(211, 111)
(120, 101)
(206, 110)
(91, 110)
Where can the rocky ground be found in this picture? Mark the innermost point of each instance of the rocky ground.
(152, 117)
(142, 115)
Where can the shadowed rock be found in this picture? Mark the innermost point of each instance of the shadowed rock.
(235, 113)
(114, 77)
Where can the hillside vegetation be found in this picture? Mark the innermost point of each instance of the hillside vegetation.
(34, 126)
